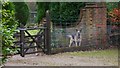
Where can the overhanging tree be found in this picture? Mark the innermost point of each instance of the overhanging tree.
(21, 12)
(41, 10)
(64, 11)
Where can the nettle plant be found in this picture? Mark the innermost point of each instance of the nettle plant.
(114, 15)
(113, 12)
(8, 25)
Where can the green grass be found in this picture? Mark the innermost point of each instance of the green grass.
(107, 56)
(97, 53)
(32, 32)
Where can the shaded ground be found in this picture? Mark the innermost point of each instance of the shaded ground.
(88, 58)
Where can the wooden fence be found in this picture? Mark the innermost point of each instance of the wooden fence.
(40, 41)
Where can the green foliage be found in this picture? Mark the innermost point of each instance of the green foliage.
(8, 25)
(42, 7)
(9, 6)
(113, 13)
(107, 52)
(55, 10)
(111, 6)
(64, 11)
(21, 12)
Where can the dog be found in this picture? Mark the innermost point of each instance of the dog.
(76, 38)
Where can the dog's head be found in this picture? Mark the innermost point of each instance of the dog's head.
(78, 30)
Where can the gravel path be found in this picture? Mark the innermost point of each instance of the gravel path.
(59, 60)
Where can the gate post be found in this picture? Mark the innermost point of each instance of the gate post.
(22, 42)
(47, 34)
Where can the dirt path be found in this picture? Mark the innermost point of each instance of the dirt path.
(59, 60)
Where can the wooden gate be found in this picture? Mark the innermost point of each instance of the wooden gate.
(41, 40)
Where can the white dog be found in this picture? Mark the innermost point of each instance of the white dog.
(77, 38)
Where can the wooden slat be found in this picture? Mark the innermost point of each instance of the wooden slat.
(30, 47)
(36, 28)
(31, 35)
(47, 45)
(32, 28)
(34, 52)
(22, 40)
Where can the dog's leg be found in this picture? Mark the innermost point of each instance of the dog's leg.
(70, 43)
(80, 40)
(70, 40)
(76, 42)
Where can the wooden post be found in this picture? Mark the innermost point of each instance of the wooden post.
(48, 34)
(22, 42)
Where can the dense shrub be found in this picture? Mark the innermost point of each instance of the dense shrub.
(111, 6)
(21, 12)
(113, 14)
(8, 26)
(64, 11)
(41, 9)
(113, 20)
(9, 6)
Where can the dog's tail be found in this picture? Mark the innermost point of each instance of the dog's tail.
(68, 36)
